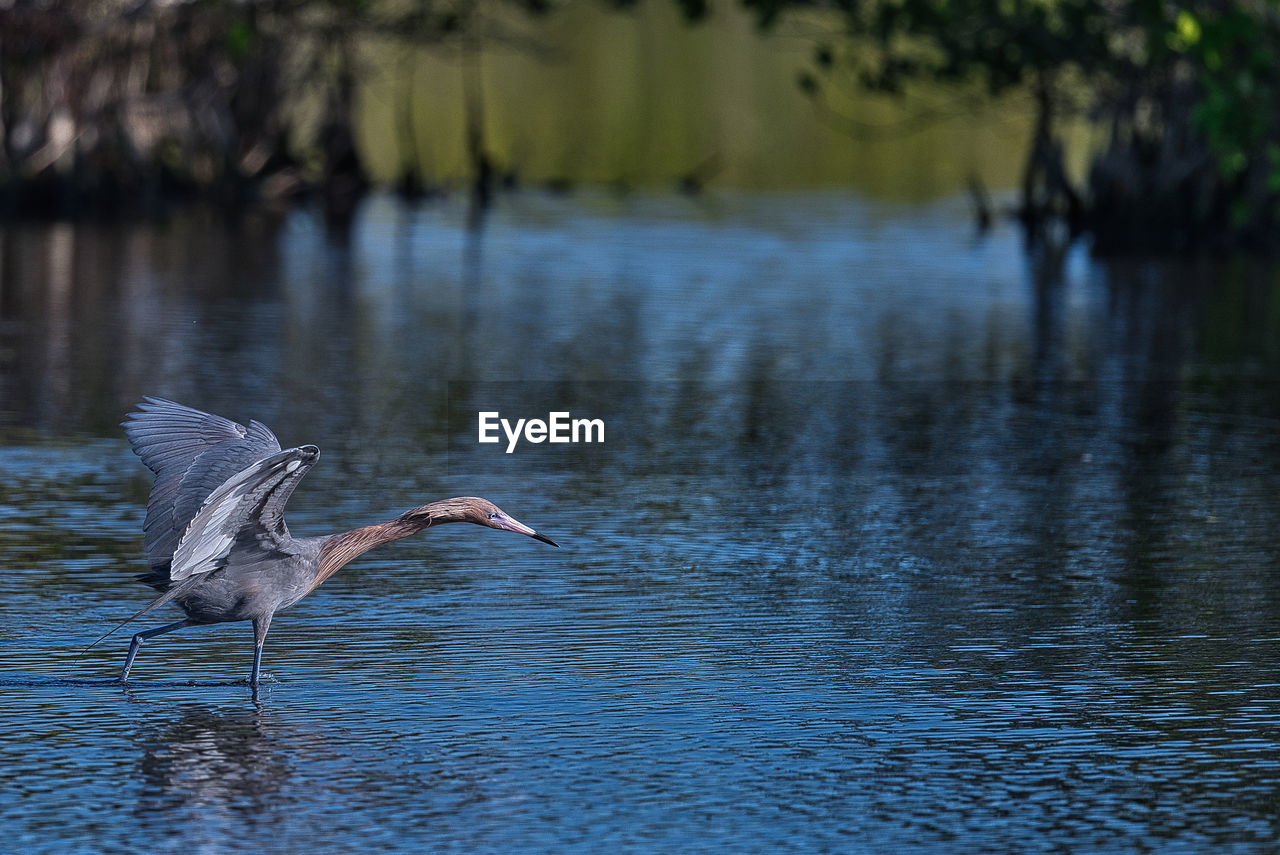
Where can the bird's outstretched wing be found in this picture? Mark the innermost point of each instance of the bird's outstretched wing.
(248, 507)
(192, 453)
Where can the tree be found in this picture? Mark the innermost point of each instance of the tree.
(110, 104)
(1187, 93)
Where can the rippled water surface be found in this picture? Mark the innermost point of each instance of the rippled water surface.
(899, 538)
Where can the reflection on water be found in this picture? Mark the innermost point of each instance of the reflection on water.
(896, 538)
(206, 771)
(210, 779)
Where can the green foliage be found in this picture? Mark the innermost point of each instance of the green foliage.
(1235, 55)
(241, 40)
(1178, 84)
(1000, 41)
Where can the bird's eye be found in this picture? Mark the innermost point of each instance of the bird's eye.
(494, 515)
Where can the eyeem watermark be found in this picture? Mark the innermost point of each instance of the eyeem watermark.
(559, 427)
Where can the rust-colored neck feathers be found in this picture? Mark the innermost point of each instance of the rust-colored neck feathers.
(340, 549)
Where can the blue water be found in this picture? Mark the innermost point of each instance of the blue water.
(900, 539)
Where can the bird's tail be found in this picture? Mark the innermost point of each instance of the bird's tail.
(166, 597)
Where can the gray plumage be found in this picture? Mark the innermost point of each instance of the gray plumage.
(192, 453)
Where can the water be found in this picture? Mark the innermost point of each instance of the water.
(898, 539)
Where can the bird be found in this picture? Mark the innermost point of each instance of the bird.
(215, 537)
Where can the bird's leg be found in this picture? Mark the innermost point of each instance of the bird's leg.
(257, 666)
(260, 627)
(143, 636)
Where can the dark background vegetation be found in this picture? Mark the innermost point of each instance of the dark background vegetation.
(133, 105)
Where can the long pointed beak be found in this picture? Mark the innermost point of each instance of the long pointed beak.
(518, 527)
(544, 539)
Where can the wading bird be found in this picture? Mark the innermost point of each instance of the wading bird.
(215, 537)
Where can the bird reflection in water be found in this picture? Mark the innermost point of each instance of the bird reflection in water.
(212, 763)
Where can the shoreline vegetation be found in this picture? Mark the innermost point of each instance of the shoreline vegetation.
(116, 108)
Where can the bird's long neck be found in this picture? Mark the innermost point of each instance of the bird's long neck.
(338, 550)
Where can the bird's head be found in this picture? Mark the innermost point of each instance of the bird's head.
(470, 509)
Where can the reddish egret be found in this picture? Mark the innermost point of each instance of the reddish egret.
(215, 536)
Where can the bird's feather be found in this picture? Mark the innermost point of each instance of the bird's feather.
(192, 454)
(247, 508)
